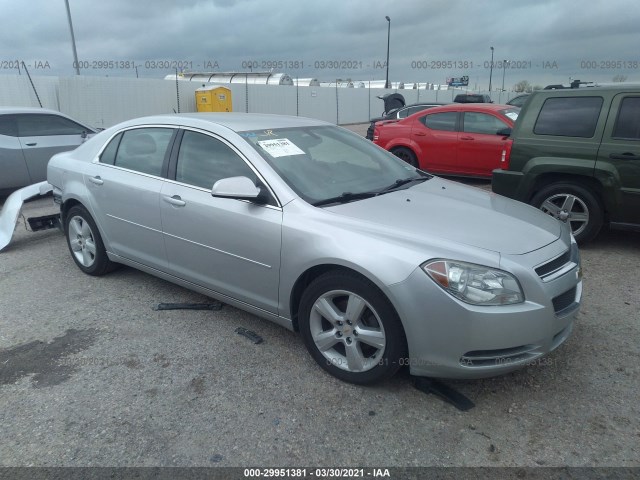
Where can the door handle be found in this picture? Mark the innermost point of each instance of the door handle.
(32, 144)
(175, 200)
(420, 134)
(97, 180)
(624, 156)
(466, 138)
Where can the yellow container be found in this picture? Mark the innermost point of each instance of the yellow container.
(213, 99)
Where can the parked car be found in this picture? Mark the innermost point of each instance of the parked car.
(472, 98)
(518, 101)
(399, 114)
(576, 156)
(313, 227)
(28, 139)
(455, 139)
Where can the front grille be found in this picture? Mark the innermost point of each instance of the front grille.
(503, 356)
(554, 265)
(564, 301)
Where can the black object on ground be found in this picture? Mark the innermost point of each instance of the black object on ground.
(253, 336)
(446, 393)
(189, 306)
(45, 222)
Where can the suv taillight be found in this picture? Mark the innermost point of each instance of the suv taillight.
(506, 154)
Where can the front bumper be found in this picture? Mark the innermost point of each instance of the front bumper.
(451, 339)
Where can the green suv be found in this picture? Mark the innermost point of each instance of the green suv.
(575, 154)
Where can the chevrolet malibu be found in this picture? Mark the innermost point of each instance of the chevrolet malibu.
(376, 263)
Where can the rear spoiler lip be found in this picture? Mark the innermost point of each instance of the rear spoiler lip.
(13, 205)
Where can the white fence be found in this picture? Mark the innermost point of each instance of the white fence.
(105, 101)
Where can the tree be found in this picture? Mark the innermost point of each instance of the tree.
(620, 78)
(523, 86)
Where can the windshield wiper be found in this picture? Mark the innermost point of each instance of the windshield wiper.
(345, 198)
(404, 181)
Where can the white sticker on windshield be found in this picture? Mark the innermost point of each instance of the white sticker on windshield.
(280, 147)
(512, 115)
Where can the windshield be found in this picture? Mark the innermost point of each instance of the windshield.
(324, 162)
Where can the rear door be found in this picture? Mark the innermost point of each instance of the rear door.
(13, 168)
(619, 156)
(124, 187)
(437, 138)
(42, 136)
(480, 148)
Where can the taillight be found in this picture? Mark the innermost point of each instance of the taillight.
(506, 154)
(376, 135)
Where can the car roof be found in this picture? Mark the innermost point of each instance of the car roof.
(238, 122)
(12, 110)
(472, 107)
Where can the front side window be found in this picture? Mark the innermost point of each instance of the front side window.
(203, 160)
(628, 122)
(569, 117)
(475, 122)
(445, 121)
(144, 149)
(41, 125)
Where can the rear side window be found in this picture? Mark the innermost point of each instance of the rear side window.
(441, 121)
(108, 155)
(8, 125)
(569, 117)
(144, 149)
(628, 121)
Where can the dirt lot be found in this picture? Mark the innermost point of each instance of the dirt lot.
(91, 374)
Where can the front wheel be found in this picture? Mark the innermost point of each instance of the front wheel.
(85, 243)
(405, 154)
(572, 203)
(351, 329)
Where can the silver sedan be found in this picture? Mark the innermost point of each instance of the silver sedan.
(375, 263)
(28, 139)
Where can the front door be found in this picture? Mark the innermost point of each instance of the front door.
(619, 155)
(226, 245)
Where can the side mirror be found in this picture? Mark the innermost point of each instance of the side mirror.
(239, 188)
(505, 132)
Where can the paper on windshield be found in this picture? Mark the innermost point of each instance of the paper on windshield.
(280, 147)
(512, 115)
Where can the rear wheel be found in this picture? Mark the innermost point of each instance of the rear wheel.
(572, 203)
(85, 243)
(351, 329)
(405, 154)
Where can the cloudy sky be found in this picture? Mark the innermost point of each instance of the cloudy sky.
(546, 41)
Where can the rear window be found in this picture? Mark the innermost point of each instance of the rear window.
(628, 121)
(569, 117)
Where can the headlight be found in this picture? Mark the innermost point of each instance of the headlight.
(475, 284)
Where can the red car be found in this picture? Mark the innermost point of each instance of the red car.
(457, 139)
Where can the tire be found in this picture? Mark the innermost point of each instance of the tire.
(85, 243)
(405, 154)
(573, 203)
(363, 347)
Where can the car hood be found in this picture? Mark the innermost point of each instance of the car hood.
(458, 213)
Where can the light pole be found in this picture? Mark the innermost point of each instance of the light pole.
(491, 70)
(504, 66)
(73, 39)
(386, 83)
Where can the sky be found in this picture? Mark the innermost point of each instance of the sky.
(544, 41)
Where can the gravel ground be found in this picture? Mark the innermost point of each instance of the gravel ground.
(91, 375)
